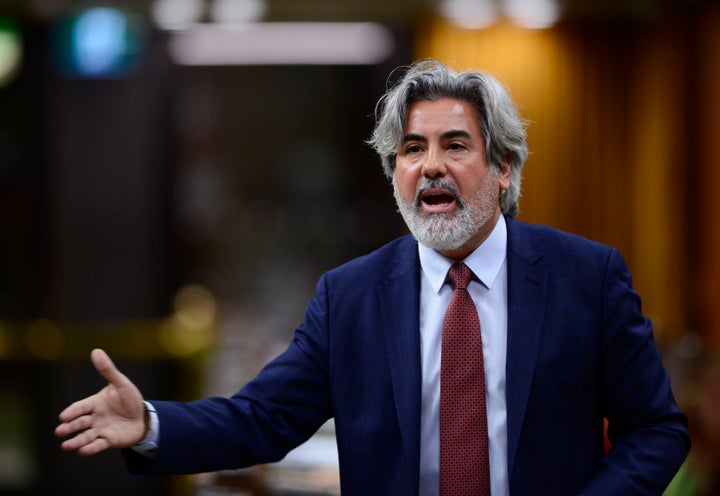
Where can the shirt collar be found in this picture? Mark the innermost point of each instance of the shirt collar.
(485, 261)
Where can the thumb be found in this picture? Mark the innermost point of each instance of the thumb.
(106, 368)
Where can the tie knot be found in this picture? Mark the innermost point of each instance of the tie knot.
(460, 275)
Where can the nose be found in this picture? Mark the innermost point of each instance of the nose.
(434, 165)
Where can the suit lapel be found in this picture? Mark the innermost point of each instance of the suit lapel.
(399, 303)
(527, 292)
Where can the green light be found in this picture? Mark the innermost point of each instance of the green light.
(10, 49)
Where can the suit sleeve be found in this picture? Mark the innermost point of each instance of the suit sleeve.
(647, 430)
(275, 412)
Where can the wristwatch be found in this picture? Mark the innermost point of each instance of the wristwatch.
(148, 446)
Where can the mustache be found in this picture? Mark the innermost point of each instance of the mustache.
(429, 184)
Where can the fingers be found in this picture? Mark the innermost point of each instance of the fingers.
(94, 447)
(75, 442)
(77, 409)
(86, 443)
(72, 422)
(87, 440)
(105, 366)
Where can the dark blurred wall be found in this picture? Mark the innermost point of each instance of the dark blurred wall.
(115, 193)
(22, 183)
(107, 195)
(85, 237)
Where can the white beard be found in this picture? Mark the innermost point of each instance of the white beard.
(449, 231)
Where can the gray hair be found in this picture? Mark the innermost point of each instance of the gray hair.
(501, 125)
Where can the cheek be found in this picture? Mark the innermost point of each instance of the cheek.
(405, 183)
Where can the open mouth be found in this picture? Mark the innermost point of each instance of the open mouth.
(437, 200)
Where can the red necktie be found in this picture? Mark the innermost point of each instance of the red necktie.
(464, 466)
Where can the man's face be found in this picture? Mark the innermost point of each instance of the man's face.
(444, 188)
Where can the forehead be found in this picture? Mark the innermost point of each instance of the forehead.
(442, 115)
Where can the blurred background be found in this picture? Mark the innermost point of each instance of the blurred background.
(171, 169)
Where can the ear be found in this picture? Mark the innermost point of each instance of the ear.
(504, 175)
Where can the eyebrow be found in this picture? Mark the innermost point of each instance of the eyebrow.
(413, 137)
(453, 133)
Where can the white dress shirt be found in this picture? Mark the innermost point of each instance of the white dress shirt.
(490, 297)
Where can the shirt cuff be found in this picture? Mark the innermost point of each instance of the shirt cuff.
(149, 445)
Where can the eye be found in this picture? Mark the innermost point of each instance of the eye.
(456, 146)
(413, 148)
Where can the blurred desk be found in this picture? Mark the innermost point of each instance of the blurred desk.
(309, 470)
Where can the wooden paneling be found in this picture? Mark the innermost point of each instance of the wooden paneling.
(704, 176)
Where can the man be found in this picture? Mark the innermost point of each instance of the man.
(564, 343)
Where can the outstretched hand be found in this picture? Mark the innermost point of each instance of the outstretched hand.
(112, 418)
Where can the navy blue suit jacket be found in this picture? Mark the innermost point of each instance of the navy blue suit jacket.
(578, 350)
